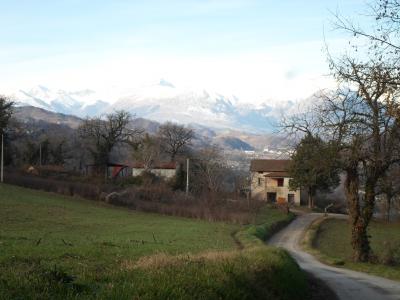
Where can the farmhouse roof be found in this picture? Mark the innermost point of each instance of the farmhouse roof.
(277, 167)
(170, 165)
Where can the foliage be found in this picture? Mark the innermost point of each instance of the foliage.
(314, 166)
(6, 110)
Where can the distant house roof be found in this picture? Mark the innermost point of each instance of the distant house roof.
(274, 167)
(170, 165)
(108, 165)
(277, 174)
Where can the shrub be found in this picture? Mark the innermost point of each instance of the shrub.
(160, 198)
(70, 188)
(145, 193)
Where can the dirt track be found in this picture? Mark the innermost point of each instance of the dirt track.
(346, 284)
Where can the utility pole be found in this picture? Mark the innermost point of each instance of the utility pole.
(187, 177)
(40, 154)
(2, 159)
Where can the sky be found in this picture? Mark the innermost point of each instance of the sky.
(257, 50)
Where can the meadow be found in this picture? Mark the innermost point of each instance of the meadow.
(57, 247)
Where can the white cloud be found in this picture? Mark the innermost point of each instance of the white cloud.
(253, 77)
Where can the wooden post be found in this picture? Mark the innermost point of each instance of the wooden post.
(40, 154)
(187, 177)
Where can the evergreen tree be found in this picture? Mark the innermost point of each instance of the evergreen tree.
(314, 167)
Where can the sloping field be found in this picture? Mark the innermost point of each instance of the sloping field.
(55, 247)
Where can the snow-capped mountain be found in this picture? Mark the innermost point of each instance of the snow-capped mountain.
(80, 103)
(165, 102)
(162, 102)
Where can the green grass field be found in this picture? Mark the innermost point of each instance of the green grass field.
(333, 242)
(56, 247)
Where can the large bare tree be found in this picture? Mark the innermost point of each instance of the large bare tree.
(174, 138)
(367, 125)
(102, 134)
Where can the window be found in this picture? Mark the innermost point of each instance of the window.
(271, 197)
(280, 181)
(259, 181)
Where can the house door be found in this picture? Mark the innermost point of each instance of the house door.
(290, 198)
(271, 197)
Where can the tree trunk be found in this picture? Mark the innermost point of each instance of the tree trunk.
(310, 198)
(359, 236)
(367, 213)
(389, 197)
(173, 155)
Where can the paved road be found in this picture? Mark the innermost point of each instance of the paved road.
(346, 284)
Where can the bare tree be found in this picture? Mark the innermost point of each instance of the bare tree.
(368, 137)
(174, 138)
(363, 129)
(147, 151)
(382, 38)
(372, 71)
(208, 168)
(101, 135)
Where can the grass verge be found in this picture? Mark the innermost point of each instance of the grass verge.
(56, 247)
(329, 240)
(268, 222)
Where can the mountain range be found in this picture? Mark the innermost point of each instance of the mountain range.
(162, 102)
(226, 139)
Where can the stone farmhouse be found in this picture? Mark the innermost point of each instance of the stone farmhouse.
(270, 181)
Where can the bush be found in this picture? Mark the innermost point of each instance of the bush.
(70, 188)
(160, 198)
(146, 193)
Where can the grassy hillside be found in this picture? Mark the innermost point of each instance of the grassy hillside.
(60, 247)
(332, 241)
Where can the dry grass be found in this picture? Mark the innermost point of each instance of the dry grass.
(162, 260)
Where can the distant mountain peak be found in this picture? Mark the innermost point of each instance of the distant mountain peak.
(43, 88)
(79, 103)
(166, 83)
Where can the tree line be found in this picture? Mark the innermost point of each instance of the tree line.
(114, 138)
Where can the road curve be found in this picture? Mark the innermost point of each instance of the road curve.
(345, 283)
